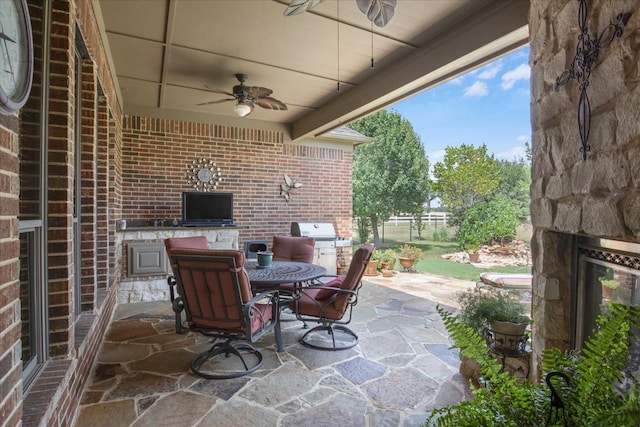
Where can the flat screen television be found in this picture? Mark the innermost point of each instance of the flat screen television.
(201, 209)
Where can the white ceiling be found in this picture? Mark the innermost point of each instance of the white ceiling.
(165, 53)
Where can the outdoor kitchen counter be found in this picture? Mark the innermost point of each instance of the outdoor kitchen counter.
(142, 264)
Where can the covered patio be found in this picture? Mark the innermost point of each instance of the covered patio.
(120, 109)
(400, 371)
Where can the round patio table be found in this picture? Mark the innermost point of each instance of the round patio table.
(280, 272)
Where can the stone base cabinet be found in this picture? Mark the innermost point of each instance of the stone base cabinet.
(143, 264)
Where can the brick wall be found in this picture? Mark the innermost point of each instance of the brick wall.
(88, 194)
(10, 364)
(60, 180)
(157, 152)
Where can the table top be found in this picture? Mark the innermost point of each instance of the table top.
(280, 272)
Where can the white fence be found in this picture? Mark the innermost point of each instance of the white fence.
(437, 218)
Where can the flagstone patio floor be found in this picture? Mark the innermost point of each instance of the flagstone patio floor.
(401, 369)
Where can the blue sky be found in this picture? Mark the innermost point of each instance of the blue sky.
(489, 105)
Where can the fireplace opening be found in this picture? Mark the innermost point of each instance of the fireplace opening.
(607, 271)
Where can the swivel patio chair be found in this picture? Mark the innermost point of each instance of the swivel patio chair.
(300, 249)
(194, 242)
(218, 303)
(286, 248)
(331, 305)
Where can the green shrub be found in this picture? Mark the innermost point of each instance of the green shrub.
(592, 397)
(441, 235)
(487, 221)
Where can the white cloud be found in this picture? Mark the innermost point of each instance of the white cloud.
(523, 138)
(516, 153)
(457, 81)
(522, 72)
(489, 71)
(477, 89)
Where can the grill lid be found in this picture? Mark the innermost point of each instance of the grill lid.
(317, 230)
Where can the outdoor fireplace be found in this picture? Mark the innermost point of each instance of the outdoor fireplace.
(607, 271)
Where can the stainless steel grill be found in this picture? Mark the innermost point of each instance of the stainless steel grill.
(326, 239)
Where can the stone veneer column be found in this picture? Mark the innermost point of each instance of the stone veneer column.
(597, 197)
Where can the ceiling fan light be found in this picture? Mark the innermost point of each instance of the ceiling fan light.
(242, 109)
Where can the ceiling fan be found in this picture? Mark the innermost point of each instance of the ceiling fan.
(248, 97)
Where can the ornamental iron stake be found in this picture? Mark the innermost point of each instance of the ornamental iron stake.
(557, 405)
(587, 51)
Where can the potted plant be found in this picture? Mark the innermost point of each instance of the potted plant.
(497, 315)
(608, 286)
(388, 262)
(343, 265)
(579, 389)
(372, 267)
(409, 255)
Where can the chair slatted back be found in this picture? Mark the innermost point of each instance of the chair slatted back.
(353, 279)
(214, 285)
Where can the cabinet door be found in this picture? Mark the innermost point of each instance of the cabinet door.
(147, 259)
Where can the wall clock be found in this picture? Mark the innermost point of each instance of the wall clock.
(203, 175)
(16, 51)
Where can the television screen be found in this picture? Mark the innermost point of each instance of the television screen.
(207, 209)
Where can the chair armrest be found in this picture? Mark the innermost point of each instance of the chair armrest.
(259, 297)
(249, 310)
(336, 291)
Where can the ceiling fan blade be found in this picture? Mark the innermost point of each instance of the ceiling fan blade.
(224, 92)
(271, 103)
(257, 91)
(218, 101)
(298, 6)
(379, 12)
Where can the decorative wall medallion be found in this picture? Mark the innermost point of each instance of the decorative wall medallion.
(203, 175)
(288, 186)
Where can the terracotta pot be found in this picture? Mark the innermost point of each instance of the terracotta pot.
(387, 273)
(474, 257)
(372, 268)
(407, 263)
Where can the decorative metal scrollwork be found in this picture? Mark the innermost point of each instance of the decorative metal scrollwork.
(203, 175)
(587, 52)
(556, 409)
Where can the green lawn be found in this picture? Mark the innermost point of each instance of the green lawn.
(396, 236)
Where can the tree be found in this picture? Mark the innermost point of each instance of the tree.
(391, 173)
(466, 175)
(515, 178)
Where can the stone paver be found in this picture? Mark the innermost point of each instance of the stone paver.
(401, 369)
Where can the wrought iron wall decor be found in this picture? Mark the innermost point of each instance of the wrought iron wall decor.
(289, 185)
(203, 175)
(587, 51)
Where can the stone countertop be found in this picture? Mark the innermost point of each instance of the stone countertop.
(170, 227)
